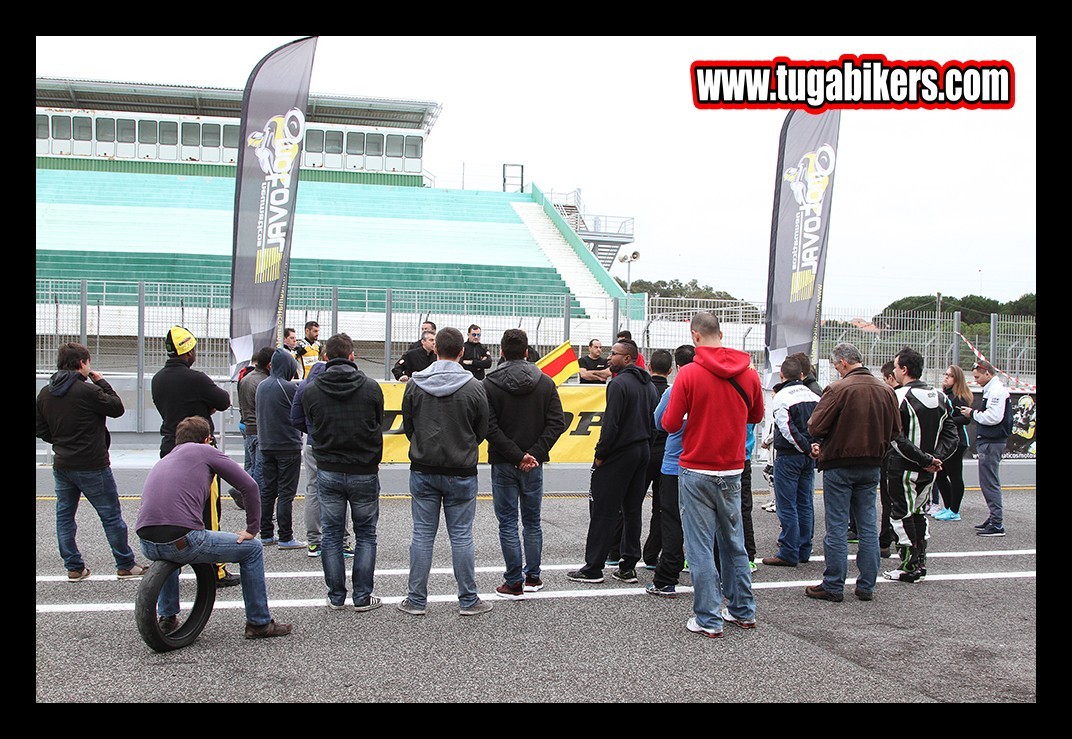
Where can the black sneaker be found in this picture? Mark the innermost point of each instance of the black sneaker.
(625, 575)
(582, 576)
(854, 538)
(666, 591)
(991, 530)
(533, 584)
(983, 525)
(228, 581)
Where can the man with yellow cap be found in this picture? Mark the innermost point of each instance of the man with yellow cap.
(179, 392)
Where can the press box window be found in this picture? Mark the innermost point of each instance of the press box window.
(395, 145)
(314, 141)
(83, 128)
(146, 132)
(210, 134)
(61, 126)
(414, 147)
(374, 145)
(42, 126)
(230, 137)
(106, 130)
(355, 143)
(191, 134)
(333, 142)
(125, 131)
(169, 133)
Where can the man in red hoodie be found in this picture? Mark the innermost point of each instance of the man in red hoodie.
(720, 397)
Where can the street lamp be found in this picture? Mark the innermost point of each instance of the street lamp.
(629, 259)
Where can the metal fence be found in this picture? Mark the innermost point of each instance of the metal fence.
(123, 324)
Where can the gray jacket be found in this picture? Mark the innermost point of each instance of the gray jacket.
(445, 417)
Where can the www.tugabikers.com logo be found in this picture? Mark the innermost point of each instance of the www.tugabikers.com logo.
(278, 147)
(809, 181)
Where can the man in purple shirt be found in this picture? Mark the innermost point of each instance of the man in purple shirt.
(171, 526)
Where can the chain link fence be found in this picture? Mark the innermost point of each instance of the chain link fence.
(123, 324)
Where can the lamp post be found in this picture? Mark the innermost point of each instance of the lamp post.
(628, 259)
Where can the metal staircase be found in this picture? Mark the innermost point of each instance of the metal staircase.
(578, 277)
(604, 235)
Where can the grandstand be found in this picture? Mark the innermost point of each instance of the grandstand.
(135, 183)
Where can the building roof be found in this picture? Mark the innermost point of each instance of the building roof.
(419, 115)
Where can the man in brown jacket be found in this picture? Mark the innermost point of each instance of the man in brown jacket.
(854, 422)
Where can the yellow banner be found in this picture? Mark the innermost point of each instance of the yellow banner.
(582, 404)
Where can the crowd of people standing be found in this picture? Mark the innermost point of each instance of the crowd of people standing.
(690, 440)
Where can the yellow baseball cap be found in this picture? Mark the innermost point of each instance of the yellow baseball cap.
(179, 341)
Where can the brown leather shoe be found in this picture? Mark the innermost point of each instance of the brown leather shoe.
(268, 630)
(820, 593)
(777, 561)
(168, 624)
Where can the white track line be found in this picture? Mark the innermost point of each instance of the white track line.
(449, 571)
(543, 594)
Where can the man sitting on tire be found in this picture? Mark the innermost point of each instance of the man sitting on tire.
(171, 526)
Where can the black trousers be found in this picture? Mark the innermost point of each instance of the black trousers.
(654, 543)
(951, 480)
(672, 556)
(616, 492)
(746, 512)
(886, 535)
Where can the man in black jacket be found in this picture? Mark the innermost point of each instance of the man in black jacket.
(476, 358)
(179, 391)
(416, 359)
(619, 468)
(71, 416)
(428, 327)
(344, 414)
(525, 420)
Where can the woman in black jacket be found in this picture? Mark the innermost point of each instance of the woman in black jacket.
(950, 481)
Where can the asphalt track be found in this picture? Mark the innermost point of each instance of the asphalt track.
(965, 634)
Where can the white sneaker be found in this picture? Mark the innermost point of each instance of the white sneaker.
(695, 628)
(744, 623)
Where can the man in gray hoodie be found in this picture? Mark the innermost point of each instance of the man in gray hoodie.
(280, 449)
(445, 417)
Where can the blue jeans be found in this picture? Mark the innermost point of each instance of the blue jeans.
(511, 488)
(313, 531)
(281, 471)
(794, 490)
(989, 479)
(99, 488)
(251, 460)
(362, 493)
(457, 497)
(711, 515)
(212, 547)
(845, 489)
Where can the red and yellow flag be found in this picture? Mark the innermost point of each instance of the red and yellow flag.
(560, 363)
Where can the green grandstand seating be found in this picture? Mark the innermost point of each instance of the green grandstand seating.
(111, 227)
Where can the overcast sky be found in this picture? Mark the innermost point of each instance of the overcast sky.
(924, 201)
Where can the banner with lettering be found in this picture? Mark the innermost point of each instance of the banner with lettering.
(266, 193)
